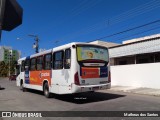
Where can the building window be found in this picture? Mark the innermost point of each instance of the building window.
(67, 59)
(58, 60)
(40, 63)
(124, 62)
(142, 60)
(145, 58)
(47, 61)
(33, 64)
(157, 57)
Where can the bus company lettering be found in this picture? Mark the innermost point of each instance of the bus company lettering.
(45, 74)
(89, 73)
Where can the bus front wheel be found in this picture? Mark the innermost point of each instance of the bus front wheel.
(22, 86)
(46, 90)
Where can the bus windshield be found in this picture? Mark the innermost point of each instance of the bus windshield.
(92, 53)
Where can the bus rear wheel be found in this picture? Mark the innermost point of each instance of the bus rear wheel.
(46, 90)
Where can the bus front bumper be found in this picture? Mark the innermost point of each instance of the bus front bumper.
(87, 88)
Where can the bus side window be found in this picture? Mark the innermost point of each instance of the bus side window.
(40, 63)
(47, 61)
(67, 60)
(58, 60)
(33, 64)
(22, 66)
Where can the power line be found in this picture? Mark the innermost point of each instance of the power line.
(128, 30)
(80, 5)
(111, 21)
(155, 28)
(76, 11)
(136, 11)
(86, 6)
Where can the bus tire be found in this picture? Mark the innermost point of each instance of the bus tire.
(46, 90)
(92, 91)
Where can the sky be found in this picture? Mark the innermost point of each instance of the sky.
(58, 22)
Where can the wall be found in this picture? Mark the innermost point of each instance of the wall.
(137, 75)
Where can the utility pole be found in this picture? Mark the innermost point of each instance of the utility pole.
(36, 44)
(10, 61)
(9, 66)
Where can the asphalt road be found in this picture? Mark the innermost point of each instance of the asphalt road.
(12, 99)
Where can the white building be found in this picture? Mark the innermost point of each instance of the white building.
(105, 44)
(136, 62)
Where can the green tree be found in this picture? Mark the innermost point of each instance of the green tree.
(4, 68)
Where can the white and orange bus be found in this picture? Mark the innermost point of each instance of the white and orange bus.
(71, 68)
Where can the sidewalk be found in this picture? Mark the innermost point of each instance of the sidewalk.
(137, 90)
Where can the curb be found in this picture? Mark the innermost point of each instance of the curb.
(137, 90)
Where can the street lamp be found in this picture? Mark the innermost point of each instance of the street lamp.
(36, 44)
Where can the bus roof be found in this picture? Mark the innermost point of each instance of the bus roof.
(57, 49)
(73, 43)
(41, 53)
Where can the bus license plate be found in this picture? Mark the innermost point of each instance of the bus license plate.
(95, 88)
